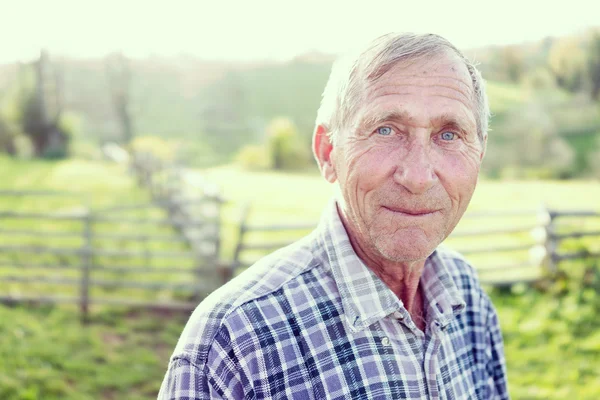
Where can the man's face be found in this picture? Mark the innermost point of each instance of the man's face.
(409, 167)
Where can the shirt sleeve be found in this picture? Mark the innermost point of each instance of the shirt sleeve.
(496, 366)
(183, 381)
(217, 378)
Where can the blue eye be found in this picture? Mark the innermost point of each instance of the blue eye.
(384, 130)
(448, 135)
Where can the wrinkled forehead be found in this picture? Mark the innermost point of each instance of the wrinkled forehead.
(446, 66)
(445, 73)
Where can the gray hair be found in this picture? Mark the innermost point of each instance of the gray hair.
(350, 76)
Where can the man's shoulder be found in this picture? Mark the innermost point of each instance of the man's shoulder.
(456, 263)
(270, 274)
(466, 279)
(463, 273)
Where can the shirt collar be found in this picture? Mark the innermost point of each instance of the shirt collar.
(442, 297)
(365, 297)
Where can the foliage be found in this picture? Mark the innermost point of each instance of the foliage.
(594, 158)
(7, 138)
(513, 63)
(593, 64)
(552, 344)
(86, 150)
(539, 79)
(196, 153)
(567, 61)
(47, 354)
(216, 109)
(531, 142)
(119, 76)
(160, 148)
(285, 149)
(254, 157)
(30, 108)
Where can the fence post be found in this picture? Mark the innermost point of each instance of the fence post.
(86, 266)
(225, 269)
(551, 243)
(240, 243)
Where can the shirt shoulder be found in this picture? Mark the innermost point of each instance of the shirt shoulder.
(266, 276)
(463, 273)
(466, 279)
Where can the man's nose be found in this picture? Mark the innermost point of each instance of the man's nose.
(415, 170)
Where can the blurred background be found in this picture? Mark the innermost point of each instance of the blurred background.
(151, 152)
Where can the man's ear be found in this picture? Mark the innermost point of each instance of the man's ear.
(483, 148)
(323, 149)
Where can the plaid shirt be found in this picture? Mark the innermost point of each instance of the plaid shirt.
(311, 321)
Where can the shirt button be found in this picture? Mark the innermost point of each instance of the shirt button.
(398, 315)
(385, 341)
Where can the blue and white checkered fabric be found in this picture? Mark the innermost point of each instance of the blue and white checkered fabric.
(311, 321)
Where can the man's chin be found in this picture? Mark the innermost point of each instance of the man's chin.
(406, 246)
(404, 253)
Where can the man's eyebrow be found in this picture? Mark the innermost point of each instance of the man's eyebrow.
(380, 118)
(453, 120)
(404, 117)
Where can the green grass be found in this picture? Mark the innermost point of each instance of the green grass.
(552, 343)
(505, 96)
(45, 352)
(97, 186)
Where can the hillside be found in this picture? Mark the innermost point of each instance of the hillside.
(220, 107)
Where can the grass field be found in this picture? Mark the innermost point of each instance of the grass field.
(45, 352)
(552, 341)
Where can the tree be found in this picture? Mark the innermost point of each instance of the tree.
(512, 60)
(7, 142)
(594, 160)
(118, 72)
(223, 115)
(285, 146)
(567, 61)
(41, 109)
(593, 64)
(530, 145)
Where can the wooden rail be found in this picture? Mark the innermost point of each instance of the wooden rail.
(92, 242)
(539, 239)
(108, 249)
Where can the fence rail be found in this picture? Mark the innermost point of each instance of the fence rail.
(93, 242)
(539, 241)
(171, 245)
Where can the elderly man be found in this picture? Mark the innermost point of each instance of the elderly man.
(367, 306)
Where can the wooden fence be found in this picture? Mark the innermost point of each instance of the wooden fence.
(165, 252)
(572, 235)
(127, 254)
(507, 247)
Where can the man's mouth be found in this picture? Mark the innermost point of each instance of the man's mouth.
(415, 212)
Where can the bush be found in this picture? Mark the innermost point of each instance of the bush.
(540, 79)
(285, 147)
(23, 147)
(254, 157)
(531, 145)
(86, 150)
(159, 148)
(197, 153)
(594, 160)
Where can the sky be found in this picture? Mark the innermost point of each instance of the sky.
(268, 29)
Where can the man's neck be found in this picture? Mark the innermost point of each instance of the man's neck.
(401, 277)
